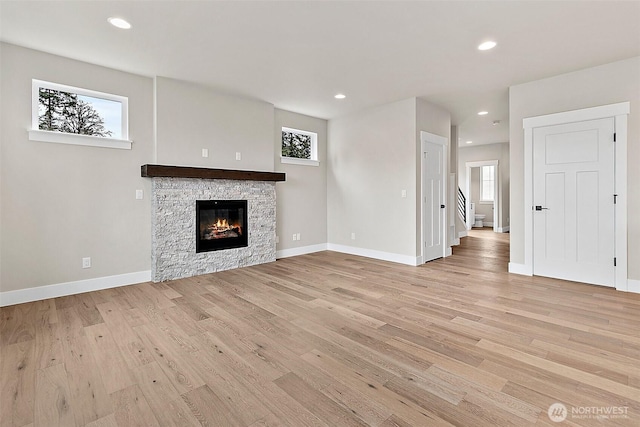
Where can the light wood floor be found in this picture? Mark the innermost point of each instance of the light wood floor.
(327, 340)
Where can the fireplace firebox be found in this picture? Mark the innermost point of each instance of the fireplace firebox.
(221, 224)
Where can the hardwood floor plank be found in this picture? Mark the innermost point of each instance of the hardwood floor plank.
(131, 408)
(108, 421)
(17, 391)
(326, 339)
(131, 347)
(53, 400)
(316, 402)
(17, 323)
(48, 343)
(173, 360)
(109, 359)
(89, 398)
(209, 409)
(164, 400)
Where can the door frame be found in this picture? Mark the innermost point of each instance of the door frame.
(619, 112)
(497, 202)
(440, 140)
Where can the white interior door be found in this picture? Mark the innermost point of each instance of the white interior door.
(433, 200)
(573, 197)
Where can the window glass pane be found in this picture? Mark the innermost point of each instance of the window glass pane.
(487, 185)
(296, 145)
(68, 112)
(487, 190)
(487, 173)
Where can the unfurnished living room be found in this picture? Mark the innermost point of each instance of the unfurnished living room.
(319, 213)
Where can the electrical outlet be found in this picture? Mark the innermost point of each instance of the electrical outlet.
(353, 236)
(294, 237)
(403, 194)
(277, 239)
(298, 236)
(205, 152)
(139, 194)
(86, 262)
(238, 155)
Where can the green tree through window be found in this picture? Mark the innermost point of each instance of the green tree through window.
(61, 111)
(296, 145)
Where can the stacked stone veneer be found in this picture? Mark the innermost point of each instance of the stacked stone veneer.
(173, 218)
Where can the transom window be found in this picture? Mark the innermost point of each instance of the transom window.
(299, 147)
(72, 115)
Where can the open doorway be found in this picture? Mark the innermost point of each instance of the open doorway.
(483, 194)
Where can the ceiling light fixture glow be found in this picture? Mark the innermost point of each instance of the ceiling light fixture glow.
(119, 22)
(469, 142)
(483, 113)
(487, 45)
(340, 96)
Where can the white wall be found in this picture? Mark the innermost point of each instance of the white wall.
(302, 198)
(499, 152)
(606, 84)
(61, 202)
(372, 156)
(192, 117)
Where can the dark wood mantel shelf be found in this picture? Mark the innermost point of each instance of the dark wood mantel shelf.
(164, 171)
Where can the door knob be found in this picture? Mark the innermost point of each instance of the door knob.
(539, 208)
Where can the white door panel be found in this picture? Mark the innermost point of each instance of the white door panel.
(573, 185)
(433, 182)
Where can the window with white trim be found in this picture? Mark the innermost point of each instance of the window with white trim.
(71, 115)
(299, 147)
(487, 184)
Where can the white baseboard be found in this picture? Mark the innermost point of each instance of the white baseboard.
(455, 242)
(464, 233)
(520, 269)
(70, 288)
(503, 229)
(303, 250)
(370, 253)
(633, 286)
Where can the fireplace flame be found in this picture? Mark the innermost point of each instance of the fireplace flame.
(219, 229)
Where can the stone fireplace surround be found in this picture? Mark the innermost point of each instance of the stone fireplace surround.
(174, 191)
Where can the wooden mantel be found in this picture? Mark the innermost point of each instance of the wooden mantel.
(164, 171)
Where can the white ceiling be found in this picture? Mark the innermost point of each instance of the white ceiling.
(298, 55)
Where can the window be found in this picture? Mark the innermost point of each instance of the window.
(487, 184)
(299, 147)
(70, 115)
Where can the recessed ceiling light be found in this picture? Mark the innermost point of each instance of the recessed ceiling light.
(483, 113)
(340, 96)
(487, 45)
(119, 22)
(469, 142)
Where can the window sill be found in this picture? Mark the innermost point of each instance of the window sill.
(73, 139)
(303, 162)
